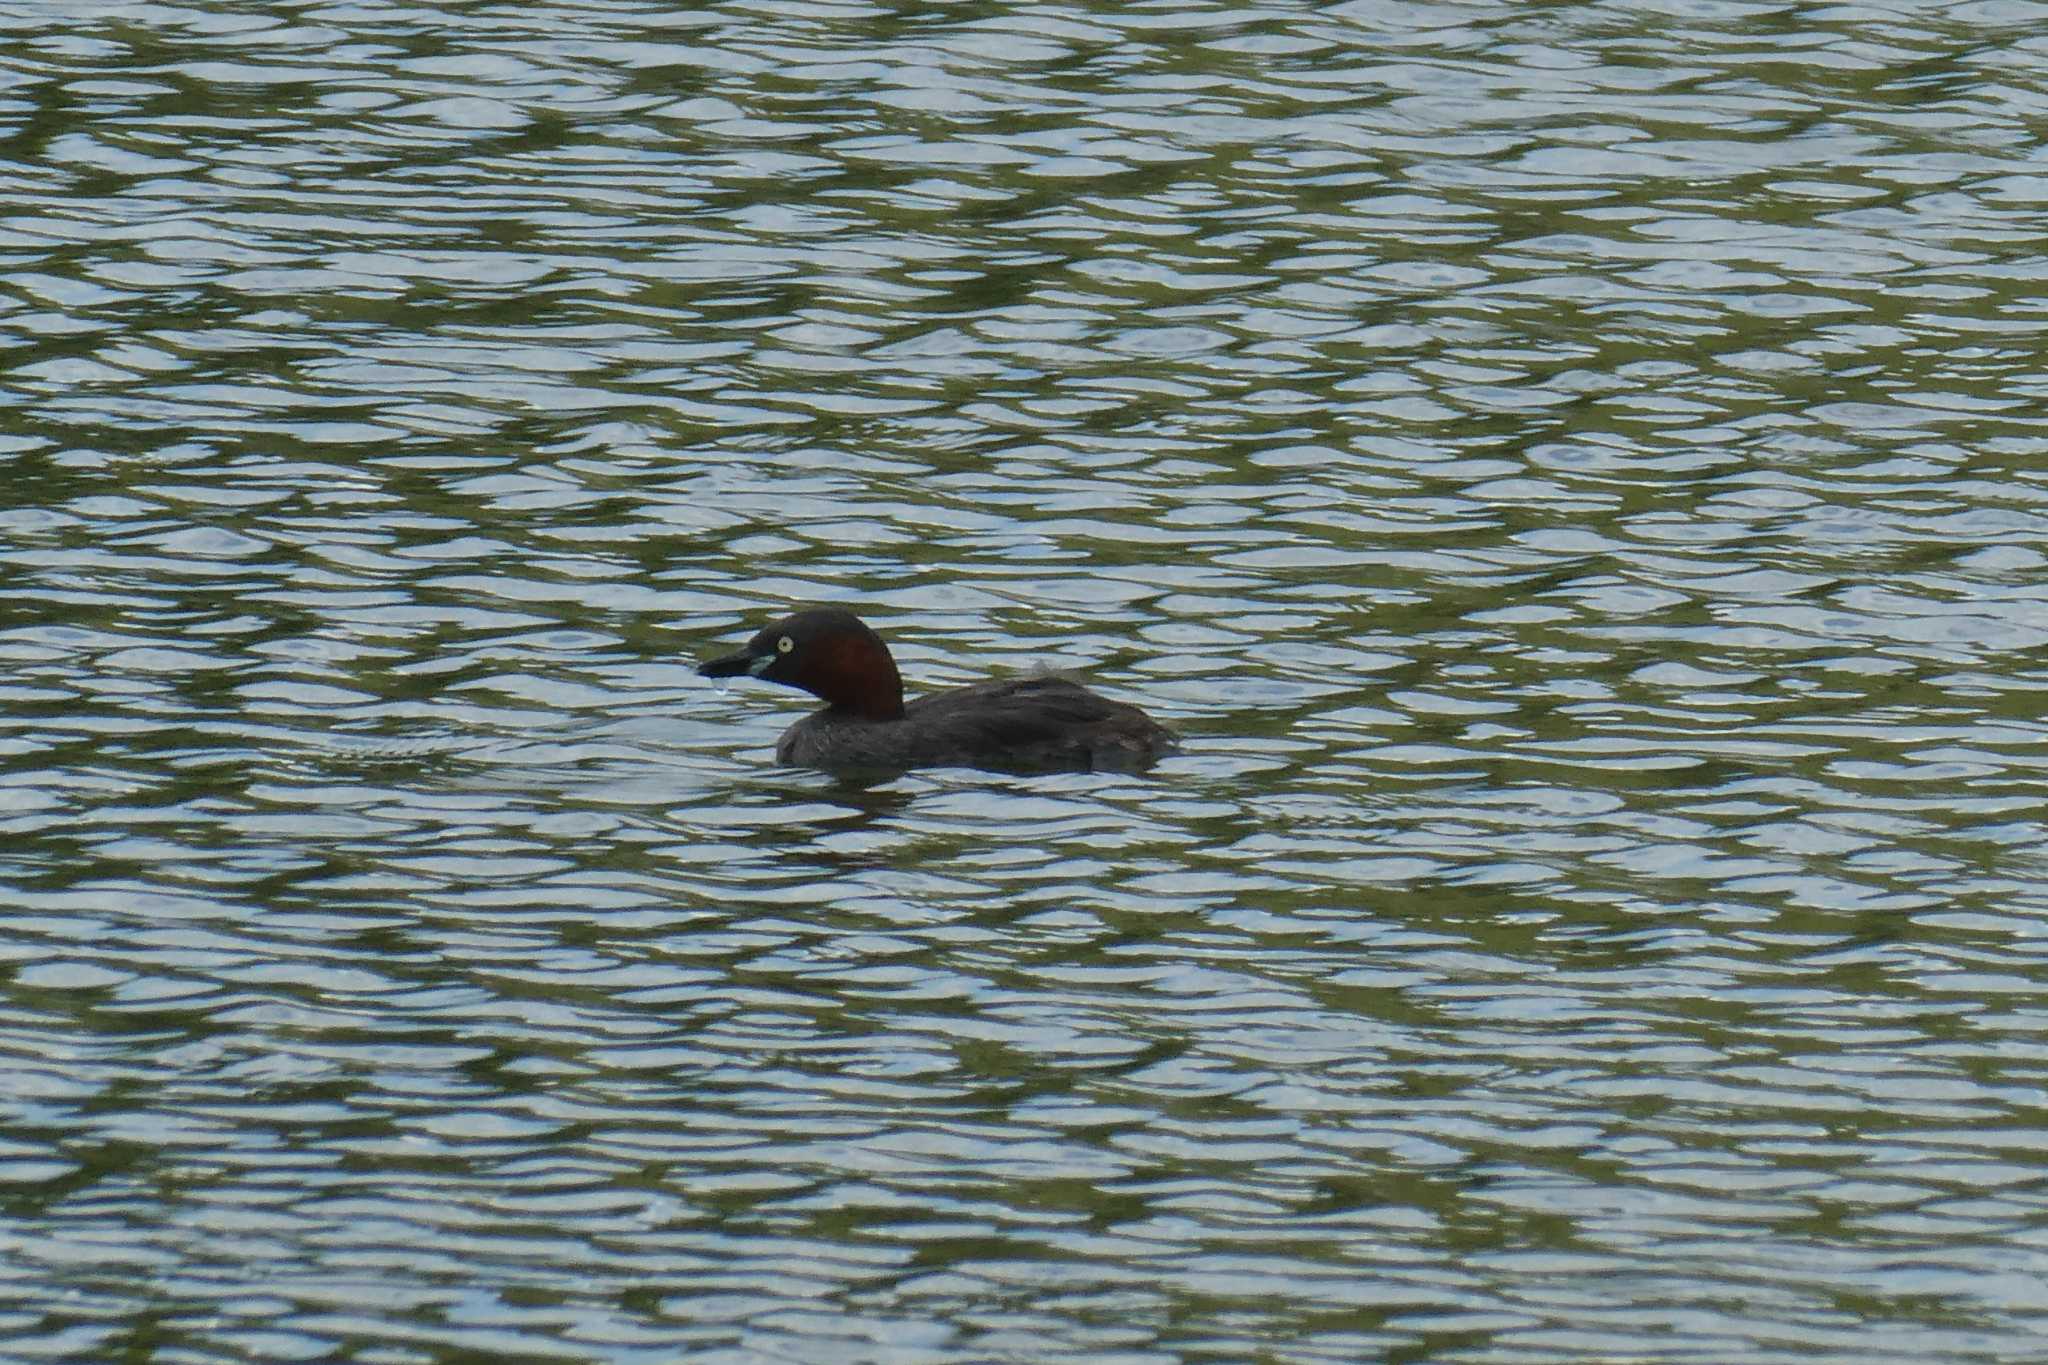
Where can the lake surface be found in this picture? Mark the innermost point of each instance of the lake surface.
(1576, 475)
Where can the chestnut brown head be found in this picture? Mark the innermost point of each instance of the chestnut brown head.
(825, 651)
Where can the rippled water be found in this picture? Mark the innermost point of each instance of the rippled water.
(1575, 473)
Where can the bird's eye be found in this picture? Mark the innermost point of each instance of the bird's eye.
(784, 645)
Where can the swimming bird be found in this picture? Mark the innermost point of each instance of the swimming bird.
(1026, 724)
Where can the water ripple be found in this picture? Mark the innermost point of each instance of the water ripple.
(1569, 473)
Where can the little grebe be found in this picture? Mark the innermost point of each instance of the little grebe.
(1029, 724)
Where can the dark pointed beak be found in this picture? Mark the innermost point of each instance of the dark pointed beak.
(735, 665)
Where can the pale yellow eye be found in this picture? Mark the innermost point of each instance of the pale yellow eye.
(784, 645)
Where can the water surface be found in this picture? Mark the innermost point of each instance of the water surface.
(1574, 474)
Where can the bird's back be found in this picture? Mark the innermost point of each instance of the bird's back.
(1023, 724)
